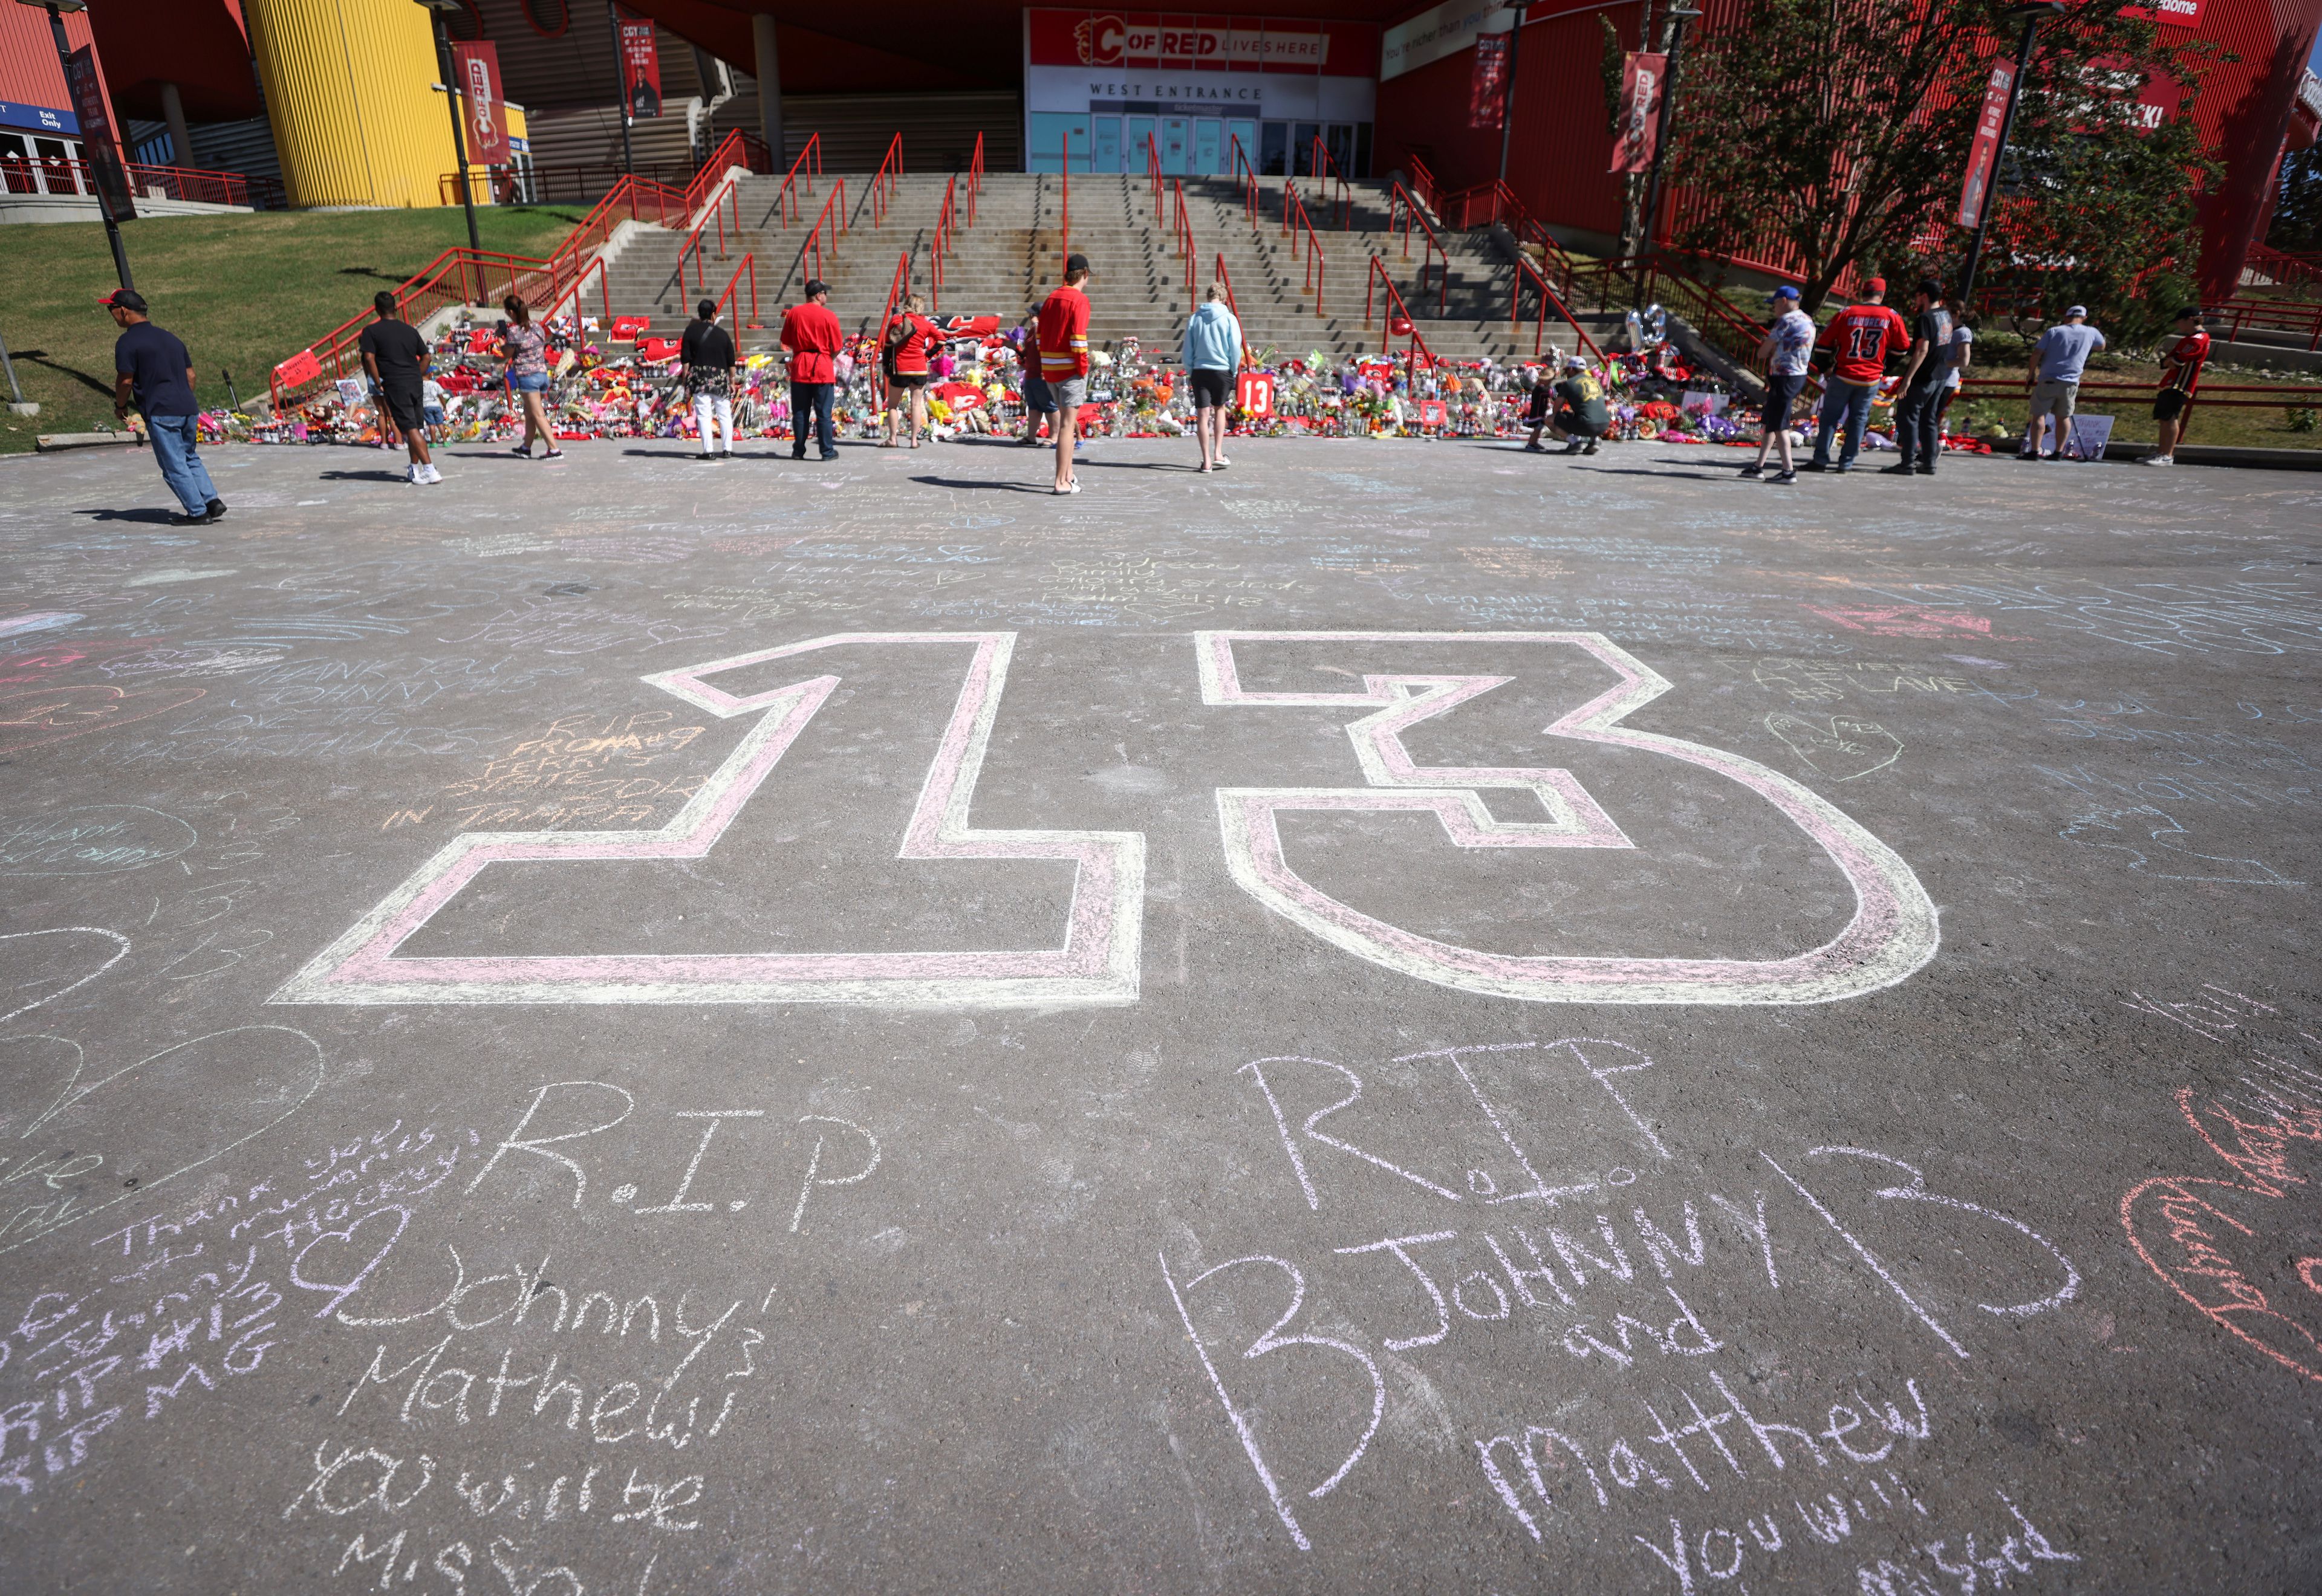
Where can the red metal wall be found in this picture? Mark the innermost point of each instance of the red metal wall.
(29, 74)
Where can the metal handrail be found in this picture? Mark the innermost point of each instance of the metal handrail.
(1314, 262)
(1400, 203)
(2269, 315)
(1153, 171)
(693, 246)
(571, 297)
(748, 263)
(737, 147)
(883, 181)
(809, 165)
(1064, 226)
(1225, 279)
(72, 177)
(1376, 280)
(1245, 175)
(1324, 167)
(458, 276)
(1548, 297)
(1182, 234)
(834, 216)
(1423, 183)
(975, 175)
(946, 217)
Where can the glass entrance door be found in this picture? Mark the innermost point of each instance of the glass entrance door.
(1208, 146)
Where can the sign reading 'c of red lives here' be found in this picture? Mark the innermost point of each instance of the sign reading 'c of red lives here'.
(1408, 679)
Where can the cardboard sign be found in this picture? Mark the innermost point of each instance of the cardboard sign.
(302, 367)
(351, 392)
(1432, 412)
(1254, 393)
(2090, 433)
(477, 68)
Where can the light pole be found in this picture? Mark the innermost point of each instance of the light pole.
(1508, 105)
(96, 161)
(435, 14)
(621, 86)
(2031, 16)
(1680, 13)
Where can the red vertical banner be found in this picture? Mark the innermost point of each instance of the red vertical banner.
(1642, 73)
(640, 66)
(478, 66)
(1487, 84)
(98, 147)
(1983, 155)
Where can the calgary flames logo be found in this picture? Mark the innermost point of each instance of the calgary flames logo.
(1100, 39)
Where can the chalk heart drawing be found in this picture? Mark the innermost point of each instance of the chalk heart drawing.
(55, 715)
(1892, 933)
(39, 967)
(1096, 964)
(176, 1109)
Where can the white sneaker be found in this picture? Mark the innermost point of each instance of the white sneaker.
(433, 475)
(2158, 460)
(411, 474)
(1222, 460)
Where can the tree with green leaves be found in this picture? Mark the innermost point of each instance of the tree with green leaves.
(2296, 221)
(1837, 131)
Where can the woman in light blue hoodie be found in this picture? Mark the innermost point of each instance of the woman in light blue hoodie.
(1212, 354)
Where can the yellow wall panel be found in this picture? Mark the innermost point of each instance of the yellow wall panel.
(347, 89)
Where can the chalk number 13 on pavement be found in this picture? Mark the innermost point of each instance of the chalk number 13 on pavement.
(1093, 958)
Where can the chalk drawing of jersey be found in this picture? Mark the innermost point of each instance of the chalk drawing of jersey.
(1097, 962)
(1892, 933)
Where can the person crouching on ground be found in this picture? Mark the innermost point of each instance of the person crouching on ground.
(1212, 354)
(707, 353)
(152, 371)
(1581, 416)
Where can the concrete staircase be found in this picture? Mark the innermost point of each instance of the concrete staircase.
(1138, 286)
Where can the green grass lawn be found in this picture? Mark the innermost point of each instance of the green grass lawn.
(243, 292)
(2211, 423)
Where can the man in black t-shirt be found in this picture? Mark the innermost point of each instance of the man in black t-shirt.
(152, 371)
(396, 360)
(1918, 428)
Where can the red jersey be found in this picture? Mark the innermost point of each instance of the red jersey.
(1862, 335)
(812, 334)
(1064, 335)
(920, 336)
(2186, 358)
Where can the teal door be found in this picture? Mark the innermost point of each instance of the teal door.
(1176, 132)
(1104, 144)
(1208, 141)
(1136, 130)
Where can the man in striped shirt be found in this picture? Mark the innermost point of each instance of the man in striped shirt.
(1065, 362)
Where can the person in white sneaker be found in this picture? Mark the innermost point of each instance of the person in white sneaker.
(706, 355)
(1212, 354)
(396, 359)
(2178, 378)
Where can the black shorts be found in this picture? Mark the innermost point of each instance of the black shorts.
(404, 405)
(908, 379)
(2170, 404)
(1211, 386)
(1782, 391)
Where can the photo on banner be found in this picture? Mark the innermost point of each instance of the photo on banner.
(640, 66)
(1487, 84)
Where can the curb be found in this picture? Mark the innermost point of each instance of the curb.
(51, 442)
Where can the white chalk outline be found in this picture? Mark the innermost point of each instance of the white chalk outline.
(1892, 934)
(1097, 962)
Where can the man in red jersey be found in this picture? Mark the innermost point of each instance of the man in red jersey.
(1858, 339)
(812, 334)
(1065, 362)
(2189, 351)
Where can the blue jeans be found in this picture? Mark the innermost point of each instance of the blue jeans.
(1918, 430)
(177, 441)
(1849, 402)
(812, 398)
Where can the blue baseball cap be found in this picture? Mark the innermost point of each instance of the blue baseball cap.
(1787, 291)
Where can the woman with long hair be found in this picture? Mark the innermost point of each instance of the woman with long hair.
(904, 346)
(524, 348)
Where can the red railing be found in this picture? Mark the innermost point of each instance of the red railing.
(895, 290)
(1181, 232)
(1225, 280)
(809, 165)
(456, 277)
(884, 181)
(567, 303)
(1153, 171)
(2139, 394)
(2284, 269)
(2267, 315)
(1390, 312)
(1487, 203)
(1294, 221)
(1245, 176)
(1402, 213)
(975, 175)
(1548, 300)
(726, 301)
(1424, 186)
(1327, 170)
(66, 177)
(947, 219)
(1064, 226)
(737, 149)
(727, 202)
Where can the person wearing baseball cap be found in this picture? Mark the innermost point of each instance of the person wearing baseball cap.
(1065, 362)
(2058, 359)
(1859, 338)
(152, 371)
(812, 336)
(1785, 349)
(1581, 414)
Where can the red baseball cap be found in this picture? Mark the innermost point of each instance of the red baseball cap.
(125, 298)
(1877, 285)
